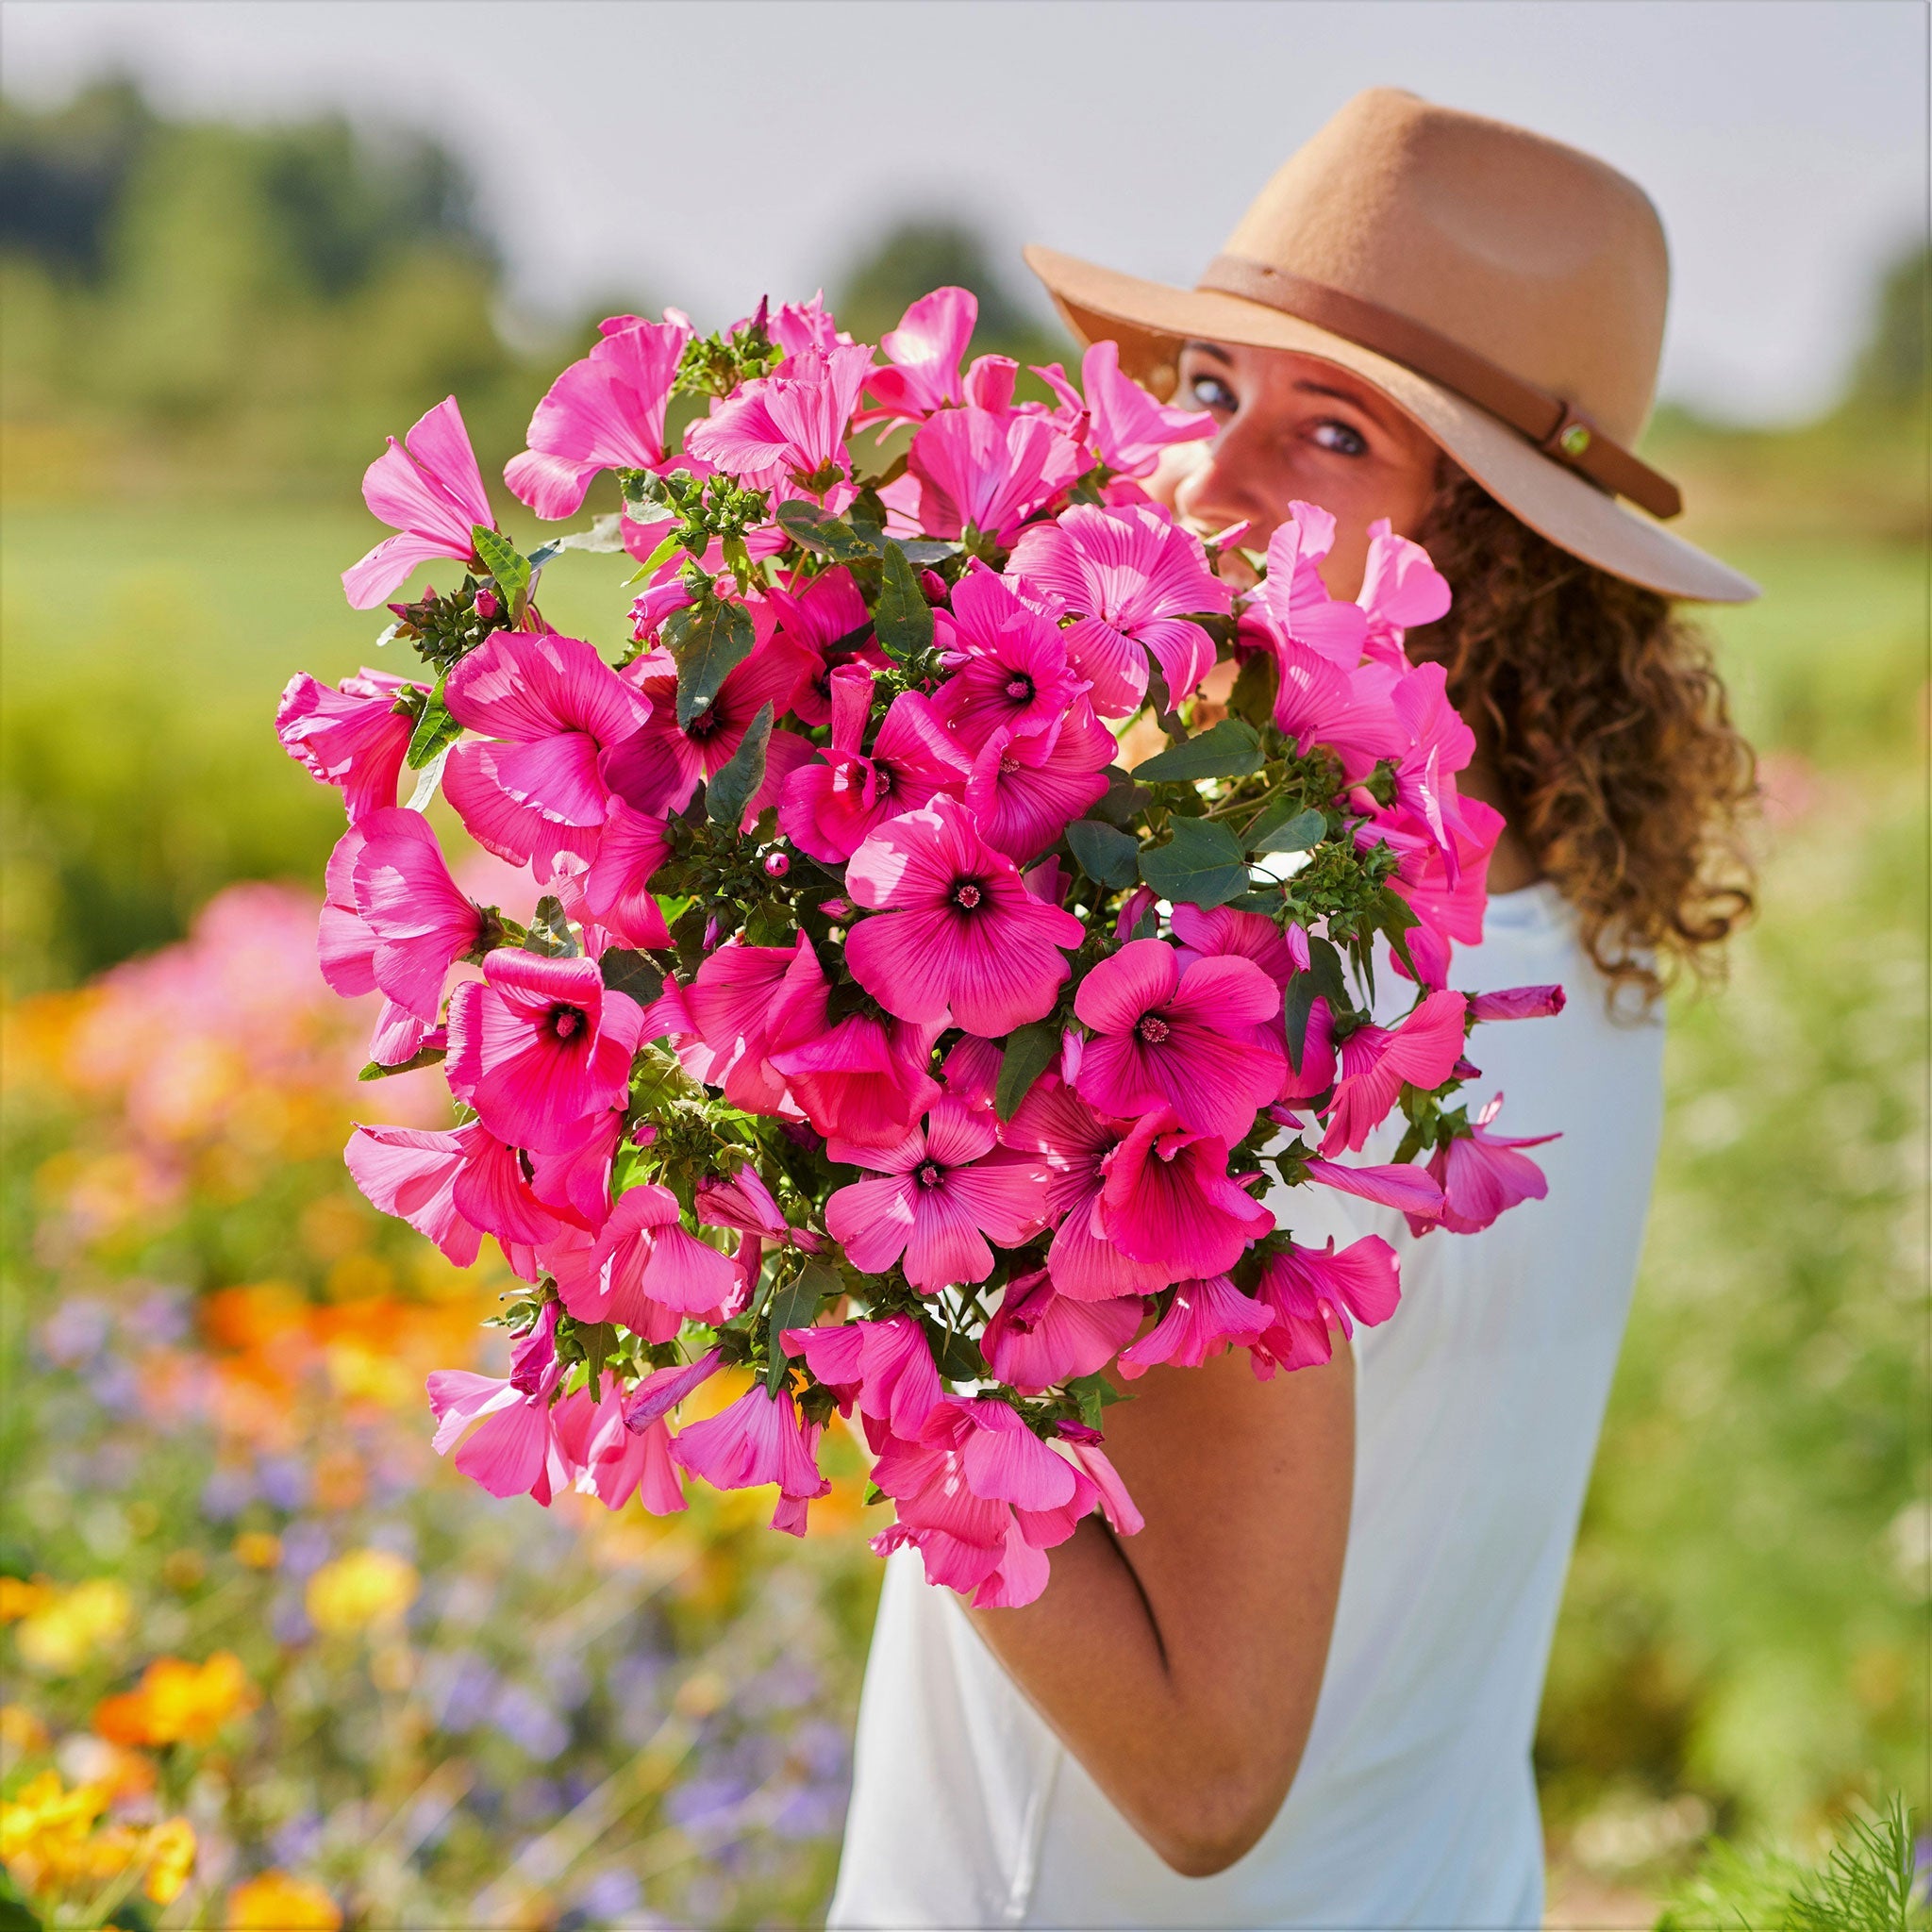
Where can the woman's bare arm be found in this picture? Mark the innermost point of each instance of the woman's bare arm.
(1180, 1666)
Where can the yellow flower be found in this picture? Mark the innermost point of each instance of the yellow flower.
(60, 1636)
(363, 1588)
(176, 1701)
(170, 1856)
(19, 1598)
(275, 1902)
(45, 1829)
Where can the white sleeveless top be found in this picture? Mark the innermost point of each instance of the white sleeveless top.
(1477, 1410)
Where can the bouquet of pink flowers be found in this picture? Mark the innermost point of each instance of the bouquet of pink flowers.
(876, 1034)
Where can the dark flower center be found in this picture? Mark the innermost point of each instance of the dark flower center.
(968, 895)
(567, 1022)
(1008, 764)
(706, 724)
(1151, 1028)
(1020, 688)
(881, 780)
(930, 1174)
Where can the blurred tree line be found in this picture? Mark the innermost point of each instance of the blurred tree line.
(270, 302)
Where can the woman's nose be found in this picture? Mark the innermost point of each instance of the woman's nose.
(1222, 489)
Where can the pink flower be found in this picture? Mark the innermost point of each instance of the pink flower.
(1127, 428)
(787, 432)
(1402, 1186)
(1010, 664)
(1168, 1201)
(1295, 596)
(552, 709)
(662, 1390)
(659, 768)
(428, 488)
(1518, 1003)
(886, 1367)
(617, 885)
(645, 1269)
(355, 737)
(1074, 1144)
(1318, 701)
(453, 1187)
(1184, 1040)
(1449, 906)
(973, 468)
(827, 622)
(1440, 746)
(747, 1003)
(829, 809)
(511, 1455)
(1025, 791)
(604, 413)
(538, 1044)
(1310, 1290)
(1376, 1060)
(758, 1439)
(1202, 1319)
(1223, 931)
(945, 1189)
(954, 928)
(1401, 589)
(924, 353)
(970, 1071)
(1129, 578)
(865, 1081)
(981, 1498)
(1317, 1074)
(741, 1200)
(421, 923)
(607, 1460)
(1038, 1337)
(574, 1182)
(1481, 1175)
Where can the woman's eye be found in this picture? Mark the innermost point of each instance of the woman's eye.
(1211, 393)
(1343, 440)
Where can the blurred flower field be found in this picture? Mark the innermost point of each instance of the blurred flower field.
(270, 1664)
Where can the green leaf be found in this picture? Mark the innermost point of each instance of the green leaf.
(1201, 865)
(832, 536)
(550, 935)
(1030, 1053)
(1227, 750)
(1253, 696)
(794, 1306)
(663, 553)
(927, 550)
(959, 1359)
(903, 619)
(435, 732)
(708, 641)
(598, 1340)
(1122, 799)
(1106, 855)
(431, 779)
(1302, 832)
(1395, 916)
(628, 972)
(736, 784)
(502, 559)
(1093, 1394)
(425, 1057)
(1323, 980)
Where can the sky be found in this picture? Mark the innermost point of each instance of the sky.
(706, 153)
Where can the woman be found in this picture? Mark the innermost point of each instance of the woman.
(1305, 1694)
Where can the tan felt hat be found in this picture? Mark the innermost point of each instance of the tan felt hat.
(1503, 290)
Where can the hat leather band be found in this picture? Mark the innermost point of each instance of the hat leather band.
(1558, 428)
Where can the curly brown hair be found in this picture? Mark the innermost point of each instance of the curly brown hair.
(1606, 721)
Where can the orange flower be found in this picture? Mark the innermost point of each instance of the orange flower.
(275, 1902)
(177, 1701)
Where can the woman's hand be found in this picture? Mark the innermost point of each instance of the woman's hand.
(1181, 1666)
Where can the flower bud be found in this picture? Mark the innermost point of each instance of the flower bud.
(776, 865)
(837, 910)
(932, 587)
(489, 606)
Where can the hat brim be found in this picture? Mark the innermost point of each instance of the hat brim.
(1150, 320)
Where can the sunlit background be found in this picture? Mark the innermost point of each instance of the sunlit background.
(240, 243)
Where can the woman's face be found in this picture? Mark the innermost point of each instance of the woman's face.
(1291, 428)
